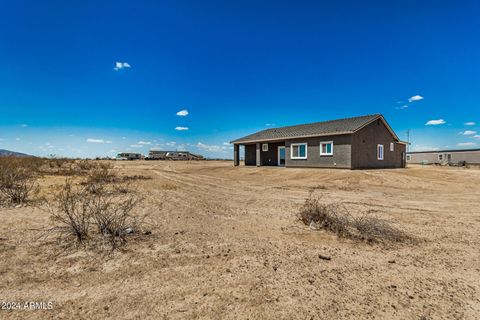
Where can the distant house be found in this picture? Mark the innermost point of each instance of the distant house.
(353, 143)
(129, 156)
(172, 155)
(468, 156)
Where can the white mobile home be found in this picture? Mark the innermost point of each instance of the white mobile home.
(462, 156)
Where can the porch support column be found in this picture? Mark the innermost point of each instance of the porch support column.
(258, 155)
(236, 155)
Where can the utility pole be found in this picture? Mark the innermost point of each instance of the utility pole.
(408, 139)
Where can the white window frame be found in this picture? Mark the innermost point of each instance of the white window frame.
(298, 144)
(380, 146)
(440, 157)
(409, 157)
(264, 147)
(392, 148)
(326, 153)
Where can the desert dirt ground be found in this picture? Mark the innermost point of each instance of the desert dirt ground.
(225, 245)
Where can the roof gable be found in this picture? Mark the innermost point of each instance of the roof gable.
(324, 128)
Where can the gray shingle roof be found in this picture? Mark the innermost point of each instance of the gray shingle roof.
(332, 127)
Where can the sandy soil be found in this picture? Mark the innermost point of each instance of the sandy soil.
(225, 245)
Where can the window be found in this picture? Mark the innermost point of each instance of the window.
(440, 157)
(326, 148)
(392, 146)
(409, 157)
(380, 152)
(265, 147)
(298, 151)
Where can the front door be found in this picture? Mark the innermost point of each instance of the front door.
(281, 156)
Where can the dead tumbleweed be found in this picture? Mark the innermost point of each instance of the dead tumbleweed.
(336, 218)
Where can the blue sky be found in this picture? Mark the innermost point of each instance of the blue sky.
(235, 67)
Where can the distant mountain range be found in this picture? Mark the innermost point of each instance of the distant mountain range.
(8, 153)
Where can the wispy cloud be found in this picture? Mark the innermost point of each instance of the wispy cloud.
(415, 98)
(477, 136)
(470, 123)
(468, 132)
(181, 128)
(269, 124)
(137, 145)
(182, 113)
(170, 143)
(402, 107)
(91, 140)
(435, 122)
(144, 142)
(121, 65)
(226, 144)
(24, 125)
(209, 148)
(466, 144)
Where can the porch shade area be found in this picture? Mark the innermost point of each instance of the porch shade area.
(261, 154)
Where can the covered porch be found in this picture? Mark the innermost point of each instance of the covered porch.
(261, 154)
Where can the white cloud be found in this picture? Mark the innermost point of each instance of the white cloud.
(182, 113)
(121, 65)
(415, 98)
(171, 143)
(90, 140)
(24, 125)
(468, 132)
(181, 128)
(435, 122)
(269, 124)
(470, 123)
(466, 144)
(209, 148)
(402, 107)
(226, 144)
(144, 142)
(137, 145)
(477, 136)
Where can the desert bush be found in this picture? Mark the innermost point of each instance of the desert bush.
(103, 217)
(70, 212)
(17, 179)
(335, 217)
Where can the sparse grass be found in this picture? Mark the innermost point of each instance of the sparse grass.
(337, 219)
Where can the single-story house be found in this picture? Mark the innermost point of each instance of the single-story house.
(353, 143)
(468, 156)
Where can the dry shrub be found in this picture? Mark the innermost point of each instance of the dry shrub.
(71, 213)
(373, 229)
(103, 218)
(59, 166)
(17, 179)
(337, 219)
(330, 217)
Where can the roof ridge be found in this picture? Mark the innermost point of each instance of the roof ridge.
(326, 121)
